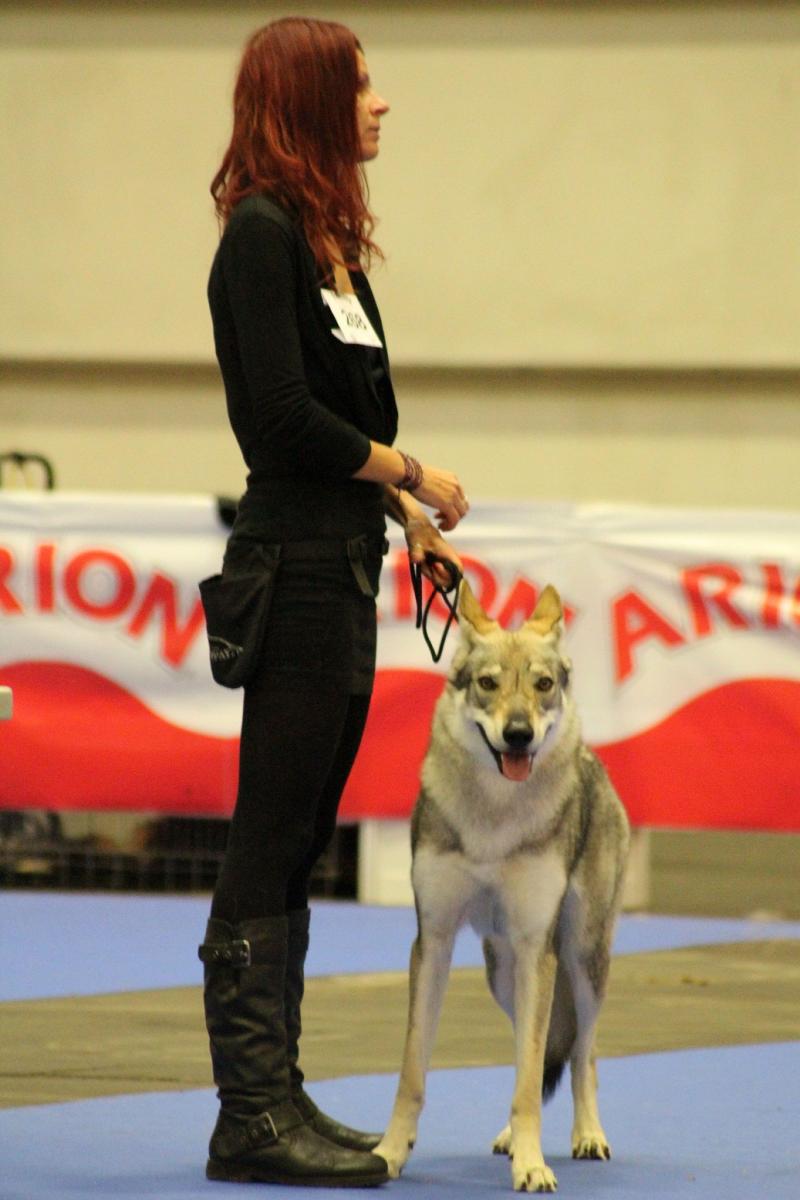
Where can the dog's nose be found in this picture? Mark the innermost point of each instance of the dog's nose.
(517, 733)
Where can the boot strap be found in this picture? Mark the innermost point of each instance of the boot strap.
(235, 953)
(263, 1130)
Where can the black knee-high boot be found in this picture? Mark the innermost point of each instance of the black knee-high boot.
(334, 1131)
(260, 1136)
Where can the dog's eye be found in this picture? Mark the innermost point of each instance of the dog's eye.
(544, 684)
(487, 682)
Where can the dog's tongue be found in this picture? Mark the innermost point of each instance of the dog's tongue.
(517, 767)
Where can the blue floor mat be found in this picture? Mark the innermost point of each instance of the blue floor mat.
(62, 944)
(714, 1124)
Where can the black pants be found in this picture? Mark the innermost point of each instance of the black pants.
(303, 718)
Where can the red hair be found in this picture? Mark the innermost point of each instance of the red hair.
(295, 135)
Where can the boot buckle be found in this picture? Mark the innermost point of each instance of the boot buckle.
(262, 1131)
(226, 954)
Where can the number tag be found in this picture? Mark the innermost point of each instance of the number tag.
(354, 324)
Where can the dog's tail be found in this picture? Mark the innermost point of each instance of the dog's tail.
(552, 1077)
(561, 1034)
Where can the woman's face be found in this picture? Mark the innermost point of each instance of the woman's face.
(370, 107)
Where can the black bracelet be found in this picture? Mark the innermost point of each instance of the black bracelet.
(413, 473)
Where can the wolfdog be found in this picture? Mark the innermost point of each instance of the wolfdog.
(518, 831)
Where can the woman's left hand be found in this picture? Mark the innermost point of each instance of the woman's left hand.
(424, 539)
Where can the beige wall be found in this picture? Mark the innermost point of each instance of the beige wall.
(593, 286)
(692, 439)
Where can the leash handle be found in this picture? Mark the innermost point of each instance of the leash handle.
(437, 590)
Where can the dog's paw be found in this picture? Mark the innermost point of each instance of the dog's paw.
(533, 1178)
(591, 1146)
(395, 1152)
(502, 1143)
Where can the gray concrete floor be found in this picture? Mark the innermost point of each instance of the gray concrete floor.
(73, 1048)
(724, 874)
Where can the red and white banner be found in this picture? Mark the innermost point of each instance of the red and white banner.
(683, 626)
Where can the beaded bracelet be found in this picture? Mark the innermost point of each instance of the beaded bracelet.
(413, 473)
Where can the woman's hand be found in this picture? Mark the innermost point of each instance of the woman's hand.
(424, 538)
(441, 491)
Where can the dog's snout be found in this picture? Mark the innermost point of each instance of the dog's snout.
(518, 733)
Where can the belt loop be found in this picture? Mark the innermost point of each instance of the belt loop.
(356, 548)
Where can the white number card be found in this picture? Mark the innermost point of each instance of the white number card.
(354, 324)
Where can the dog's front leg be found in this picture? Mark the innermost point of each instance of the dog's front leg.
(533, 998)
(430, 965)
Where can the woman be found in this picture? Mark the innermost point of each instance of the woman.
(302, 353)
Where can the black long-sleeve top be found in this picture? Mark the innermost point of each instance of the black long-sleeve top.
(303, 406)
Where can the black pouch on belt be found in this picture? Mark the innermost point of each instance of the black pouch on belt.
(236, 608)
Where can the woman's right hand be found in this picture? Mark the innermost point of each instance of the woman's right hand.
(441, 491)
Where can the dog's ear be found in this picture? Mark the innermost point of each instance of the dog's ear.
(470, 611)
(547, 614)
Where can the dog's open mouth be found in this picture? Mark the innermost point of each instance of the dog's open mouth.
(513, 765)
(516, 767)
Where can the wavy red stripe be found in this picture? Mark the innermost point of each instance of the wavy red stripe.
(730, 758)
(79, 741)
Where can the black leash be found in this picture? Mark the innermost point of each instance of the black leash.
(438, 589)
